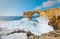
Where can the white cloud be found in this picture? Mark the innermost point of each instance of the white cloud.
(38, 7)
(47, 4)
(54, 0)
(58, 0)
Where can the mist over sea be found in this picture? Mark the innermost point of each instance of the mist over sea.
(36, 25)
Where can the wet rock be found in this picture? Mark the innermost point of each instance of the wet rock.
(55, 22)
(51, 35)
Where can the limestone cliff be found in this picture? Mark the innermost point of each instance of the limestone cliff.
(55, 22)
(52, 14)
(48, 13)
(28, 14)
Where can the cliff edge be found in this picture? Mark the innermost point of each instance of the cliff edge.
(48, 13)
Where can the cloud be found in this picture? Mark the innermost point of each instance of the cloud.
(54, 0)
(58, 0)
(38, 7)
(47, 4)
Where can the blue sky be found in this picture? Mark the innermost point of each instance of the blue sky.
(17, 7)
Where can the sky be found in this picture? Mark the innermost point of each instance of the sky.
(17, 7)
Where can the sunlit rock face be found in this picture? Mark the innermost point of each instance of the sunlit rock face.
(51, 35)
(55, 22)
(48, 13)
(52, 14)
(27, 14)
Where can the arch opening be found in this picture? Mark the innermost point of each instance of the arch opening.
(35, 15)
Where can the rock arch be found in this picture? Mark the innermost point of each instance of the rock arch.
(48, 13)
(30, 14)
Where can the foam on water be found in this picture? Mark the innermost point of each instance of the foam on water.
(36, 27)
(15, 36)
(43, 25)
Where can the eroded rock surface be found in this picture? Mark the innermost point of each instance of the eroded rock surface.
(52, 14)
(48, 13)
(55, 22)
(51, 35)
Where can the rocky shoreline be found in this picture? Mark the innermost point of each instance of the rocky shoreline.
(51, 35)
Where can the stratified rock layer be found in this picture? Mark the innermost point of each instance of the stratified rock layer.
(54, 19)
(51, 35)
(48, 13)
(51, 14)
(55, 22)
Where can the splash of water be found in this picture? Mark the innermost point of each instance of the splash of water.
(43, 25)
(26, 24)
(36, 28)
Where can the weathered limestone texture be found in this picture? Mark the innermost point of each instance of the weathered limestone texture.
(55, 22)
(52, 14)
(51, 35)
(48, 13)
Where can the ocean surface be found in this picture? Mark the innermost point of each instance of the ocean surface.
(12, 18)
(36, 25)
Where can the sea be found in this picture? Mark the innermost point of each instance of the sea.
(36, 25)
(12, 18)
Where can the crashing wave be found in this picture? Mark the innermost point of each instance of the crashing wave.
(26, 24)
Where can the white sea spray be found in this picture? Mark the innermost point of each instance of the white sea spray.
(37, 27)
